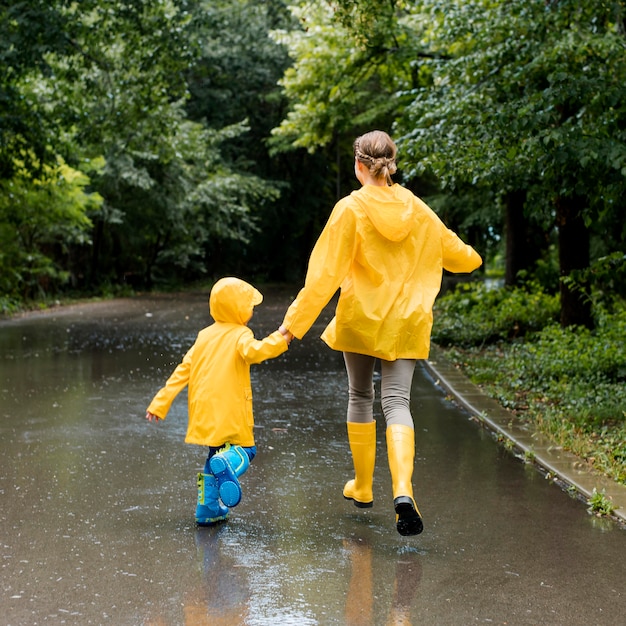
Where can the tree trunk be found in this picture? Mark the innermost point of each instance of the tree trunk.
(523, 239)
(514, 232)
(573, 255)
(98, 234)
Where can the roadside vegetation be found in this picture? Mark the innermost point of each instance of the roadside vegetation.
(569, 383)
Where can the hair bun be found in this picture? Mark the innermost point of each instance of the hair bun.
(377, 150)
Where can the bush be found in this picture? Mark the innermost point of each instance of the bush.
(477, 315)
(578, 354)
(8, 305)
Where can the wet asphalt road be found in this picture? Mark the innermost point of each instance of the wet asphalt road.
(96, 505)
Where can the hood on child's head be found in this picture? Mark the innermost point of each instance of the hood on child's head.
(232, 300)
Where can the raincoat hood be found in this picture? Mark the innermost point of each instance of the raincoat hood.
(232, 300)
(390, 209)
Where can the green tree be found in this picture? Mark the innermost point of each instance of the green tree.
(120, 94)
(118, 88)
(529, 99)
(235, 78)
(29, 31)
(345, 76)
(40, 219)
(524, 101)
(189, 205)
(356, 66)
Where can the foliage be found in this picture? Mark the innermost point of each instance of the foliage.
(600, 353)
(39, 219)
(568, 381)
(599, 504)
(179, 96)
(527, 94)
(121, 94)
(235, 74)
(476, 314)
(351, 63)
(348, 68)
(501, 96)
(604, 282)
(29, 30)
(235, 77)
(173, 189)
(172, 209)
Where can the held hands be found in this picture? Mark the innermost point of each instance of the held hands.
(152, 417)
(286, 334)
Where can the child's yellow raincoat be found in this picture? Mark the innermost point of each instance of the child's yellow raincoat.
(386, 249)
(217, 370)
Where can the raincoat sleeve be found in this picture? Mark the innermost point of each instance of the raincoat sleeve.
(329, 264)
(178, 380)
(458, 257)
(256, 351)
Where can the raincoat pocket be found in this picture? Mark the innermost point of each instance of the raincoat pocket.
(249, 414)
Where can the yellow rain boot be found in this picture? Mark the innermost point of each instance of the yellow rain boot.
(362, 438)
(401, 454)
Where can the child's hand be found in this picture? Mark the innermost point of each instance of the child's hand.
(286, 334)
(152, 417)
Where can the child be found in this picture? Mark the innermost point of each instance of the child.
(217, 370)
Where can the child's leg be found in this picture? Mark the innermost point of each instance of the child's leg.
(227, 465)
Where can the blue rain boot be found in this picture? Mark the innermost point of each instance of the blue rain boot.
(227, 465)
(209, 510)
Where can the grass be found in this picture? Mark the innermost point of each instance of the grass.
(592, 427)
(568, 384)
(599, 504)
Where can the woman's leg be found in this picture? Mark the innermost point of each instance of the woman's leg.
(360, 369)
(397, 377)
(361, 428)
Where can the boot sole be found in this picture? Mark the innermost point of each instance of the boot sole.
(230, 493)
(211, 521)
(361, 505)
(228, 485)
(409, 521)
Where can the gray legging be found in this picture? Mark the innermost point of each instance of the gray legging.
(395, 388)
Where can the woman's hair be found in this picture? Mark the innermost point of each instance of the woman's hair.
(377, 151)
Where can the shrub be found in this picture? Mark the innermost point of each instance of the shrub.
(477, 315)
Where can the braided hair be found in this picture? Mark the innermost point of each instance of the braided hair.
(377, 152)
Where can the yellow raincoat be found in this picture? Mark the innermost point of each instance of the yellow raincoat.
(386, 250)
(217, 370)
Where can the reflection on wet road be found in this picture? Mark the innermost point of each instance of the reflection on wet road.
(97, 505)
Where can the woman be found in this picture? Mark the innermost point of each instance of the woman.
(386, 250)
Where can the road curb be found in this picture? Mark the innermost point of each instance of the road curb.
(560, 464)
